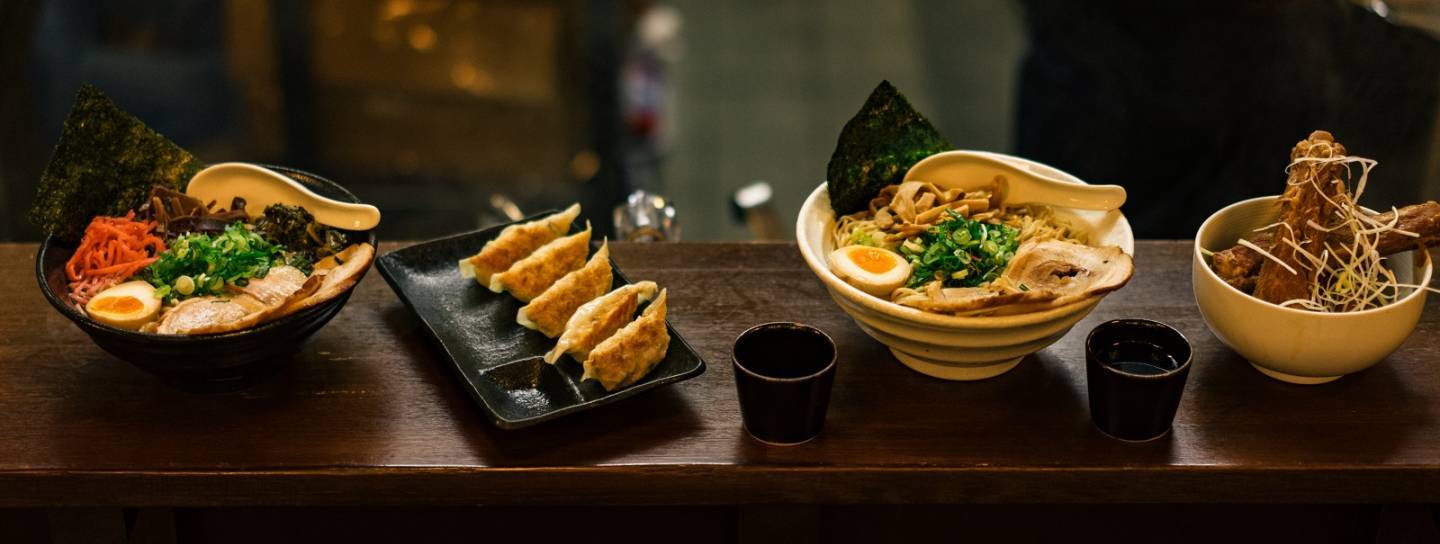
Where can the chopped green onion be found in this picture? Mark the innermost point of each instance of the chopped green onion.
(199, 264)
(960, 252)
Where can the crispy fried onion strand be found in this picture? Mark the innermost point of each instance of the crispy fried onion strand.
(1357, 278)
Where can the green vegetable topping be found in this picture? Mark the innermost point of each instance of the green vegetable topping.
(200, 264)
(960, 252)
(859, 238)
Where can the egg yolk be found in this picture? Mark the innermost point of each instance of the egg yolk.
(119, 305)
(872, 260)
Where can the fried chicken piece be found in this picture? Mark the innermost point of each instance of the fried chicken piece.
(1306, 203)
(1239, 265)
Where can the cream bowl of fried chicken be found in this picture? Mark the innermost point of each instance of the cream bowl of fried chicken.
(975, 345)
(1291, 344)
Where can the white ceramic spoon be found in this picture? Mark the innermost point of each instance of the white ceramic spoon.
(261, 187)
(970, 170)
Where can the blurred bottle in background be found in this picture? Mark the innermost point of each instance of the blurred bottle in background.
(646, 93)
(646, 217)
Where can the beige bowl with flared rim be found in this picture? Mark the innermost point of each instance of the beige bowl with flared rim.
(1289, 344)
(947, 346)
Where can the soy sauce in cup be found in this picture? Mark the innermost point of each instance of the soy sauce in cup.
(1139, 357)
(1135, 372)
(783, 375)
(782, 350)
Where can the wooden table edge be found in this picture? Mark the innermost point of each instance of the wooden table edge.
(714, 484)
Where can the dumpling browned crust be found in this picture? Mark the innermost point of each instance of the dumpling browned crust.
(515, 243)
(632, 351)
(530, 276)
(549, 312)
(599, 319)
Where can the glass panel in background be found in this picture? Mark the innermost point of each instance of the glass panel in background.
(1190, 105)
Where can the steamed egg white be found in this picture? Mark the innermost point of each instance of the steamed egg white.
(873, 270)
(128, 305)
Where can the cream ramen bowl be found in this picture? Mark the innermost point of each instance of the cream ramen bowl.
(946, 346)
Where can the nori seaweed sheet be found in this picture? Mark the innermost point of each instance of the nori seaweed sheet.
(876, 147)
(104, 164)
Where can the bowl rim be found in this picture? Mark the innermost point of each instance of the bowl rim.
(1212, 277)
(87, 322)
(1183, 367)
(839, 287)
(790, 325)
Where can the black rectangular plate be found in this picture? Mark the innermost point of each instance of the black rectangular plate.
(497, 360)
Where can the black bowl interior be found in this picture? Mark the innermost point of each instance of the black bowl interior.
(211, 361)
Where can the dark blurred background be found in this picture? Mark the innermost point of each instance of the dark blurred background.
(455, 114)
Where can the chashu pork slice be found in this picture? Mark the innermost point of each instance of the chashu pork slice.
(1042, 274)
(259, 300)
(1071, 271)
(201, 315)
(276, 286)
(335, 274)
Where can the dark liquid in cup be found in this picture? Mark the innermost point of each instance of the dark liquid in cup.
(1142, 358)
(784, 352)
(783, 375)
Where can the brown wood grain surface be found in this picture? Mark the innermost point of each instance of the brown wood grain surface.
(369, 415)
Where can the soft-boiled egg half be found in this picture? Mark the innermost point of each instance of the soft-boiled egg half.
(128, 305)
(874, 270)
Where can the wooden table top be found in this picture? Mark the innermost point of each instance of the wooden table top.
(369, 415)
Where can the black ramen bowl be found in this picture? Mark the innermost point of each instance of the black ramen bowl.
(210, 362)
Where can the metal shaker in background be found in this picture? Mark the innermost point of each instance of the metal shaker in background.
(646, 217)
(752, 205)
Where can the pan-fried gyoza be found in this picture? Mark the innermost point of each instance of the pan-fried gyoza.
(598, 319)
(515, 243)
(569, 297)
(632, 351)
(532, 275)
(549, 312)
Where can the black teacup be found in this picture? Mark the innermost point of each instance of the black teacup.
(783, 374)
(1135, 371)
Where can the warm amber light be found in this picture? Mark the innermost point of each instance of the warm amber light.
(584, 165)
(422, 37)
